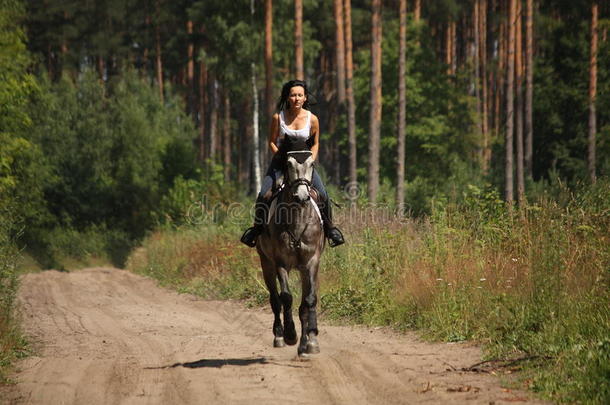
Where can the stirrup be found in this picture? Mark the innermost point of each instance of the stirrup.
(249, 236)
(335, 237)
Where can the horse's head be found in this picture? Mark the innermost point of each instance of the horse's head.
(299, 170)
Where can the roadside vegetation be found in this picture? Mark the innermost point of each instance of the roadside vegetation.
(532, 284)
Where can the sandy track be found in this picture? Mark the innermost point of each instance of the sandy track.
(106, 336)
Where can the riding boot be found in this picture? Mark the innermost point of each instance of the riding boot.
(334, 235)
(260, 215)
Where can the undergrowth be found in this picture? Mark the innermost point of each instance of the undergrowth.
(531, 283)
(12, 343)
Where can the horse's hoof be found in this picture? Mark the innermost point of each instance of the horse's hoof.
(278, 342)
(312, 348)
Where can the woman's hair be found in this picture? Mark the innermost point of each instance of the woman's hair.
(282, 104)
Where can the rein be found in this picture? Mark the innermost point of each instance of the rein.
(295, 242)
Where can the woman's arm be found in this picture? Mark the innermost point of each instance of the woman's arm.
(315, 132)
(274, 132)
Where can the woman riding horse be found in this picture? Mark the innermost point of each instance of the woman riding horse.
(293, 121)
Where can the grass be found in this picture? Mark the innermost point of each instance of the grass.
(529, 283)
(12, 343)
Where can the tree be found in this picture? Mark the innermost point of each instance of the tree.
(191, 106)
(298, 39)
(375, 109)
(349, 93)
(269, 58)
(339, 53)
(158, 58)
(484, 84)
(529, 87)
(510, 119)
(226, 135)
(592, 94)
(519, 103)
(402, 107)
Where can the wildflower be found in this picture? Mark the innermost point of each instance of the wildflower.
(439, 279)
(482, 279)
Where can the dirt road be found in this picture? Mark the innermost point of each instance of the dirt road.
(106, 336)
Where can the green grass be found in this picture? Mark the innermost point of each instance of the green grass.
(529, 283)
(12, 343)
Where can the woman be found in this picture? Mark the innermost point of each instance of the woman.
(293, 122)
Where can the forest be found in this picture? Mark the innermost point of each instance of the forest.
(483, 125)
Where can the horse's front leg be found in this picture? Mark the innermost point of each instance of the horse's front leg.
(290, 332)
(269, 273)
(307, 311)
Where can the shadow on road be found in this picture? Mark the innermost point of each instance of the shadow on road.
(218, 363)
(214, 363)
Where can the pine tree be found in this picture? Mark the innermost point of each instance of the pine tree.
(529, 88)
(592, 94)
(402, 107)
(349, 93)
(510, 119)
(298, 39)
(375, 109)
(269, 58)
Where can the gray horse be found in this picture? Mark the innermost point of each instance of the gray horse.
(293, 239)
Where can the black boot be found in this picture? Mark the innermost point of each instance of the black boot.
(334, 235)
(260, 215)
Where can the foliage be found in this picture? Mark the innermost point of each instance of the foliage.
(112, 153)
(20, 192)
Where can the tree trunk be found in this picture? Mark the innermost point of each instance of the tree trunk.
(510, 119)
(298, 39)
(203, 84)
(476, 25)
(375, 109)
(226, 136)
(592, 94)
(190, 75)
(519, 104)
(448, 49)
(339, 54)
(269, 102)
(255, 138)
(484, 87)
(159, 63)
(213, 128)
(349, 94)
(402, 108)
(501, 74)
(417, 11)
(529, 89)
(101, 67)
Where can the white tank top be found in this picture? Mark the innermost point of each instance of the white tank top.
(302, 133)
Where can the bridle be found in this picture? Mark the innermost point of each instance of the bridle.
(301, 181)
